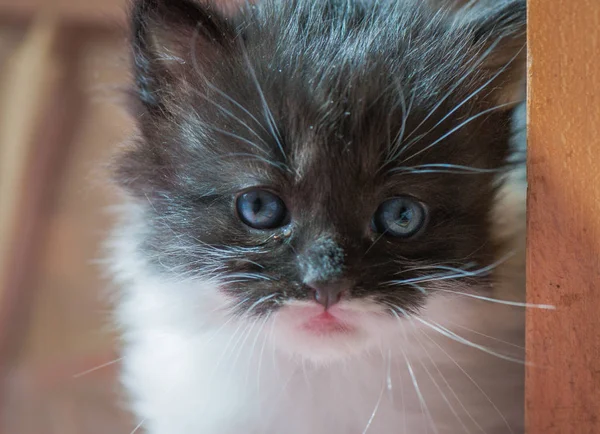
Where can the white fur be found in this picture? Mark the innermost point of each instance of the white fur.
(192, 369)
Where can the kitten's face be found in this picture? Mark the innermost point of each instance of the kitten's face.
(330, 167)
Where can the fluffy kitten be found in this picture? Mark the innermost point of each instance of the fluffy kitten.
(316, 204)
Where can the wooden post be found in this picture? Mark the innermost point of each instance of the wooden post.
(30, 83)
(29, 77)
(563, 258)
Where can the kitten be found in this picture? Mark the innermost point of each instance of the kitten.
(318, 201)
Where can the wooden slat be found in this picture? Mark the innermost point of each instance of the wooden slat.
(94, 12)
(563, 389)
(29, 76)
(60, 327)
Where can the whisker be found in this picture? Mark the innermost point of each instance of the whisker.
(233, 338)
(485, 395)
(259, 302)
(237, 104)
(486, 336)
(305, 375)
(97, 368)
(418, 391)
(375, 409)
(438, 370)
(467, 99)
(459, 274)
(194, 41)
(273, 355)
(458, 127)
(388, 380)
(241, 346)
(267, 111)
(253, 348)
(229, 113)
(393, 152)
(375, 242)
(445, 398)
(449, 388)
(260, 362)
(495, 300)
(251, 276)
(439, 267)
(234, 136)
(137, 428)
(453, 336)
(444, 168)
(249, 155)
(456, 85)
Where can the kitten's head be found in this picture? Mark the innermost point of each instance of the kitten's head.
(328, 165)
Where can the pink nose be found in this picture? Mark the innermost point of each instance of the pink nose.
(328, 293)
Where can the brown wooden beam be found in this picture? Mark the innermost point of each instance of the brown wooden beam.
(563, 261)
(35, 113)
(86, 12)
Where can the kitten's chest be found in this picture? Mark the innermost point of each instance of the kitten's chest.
(233, 383)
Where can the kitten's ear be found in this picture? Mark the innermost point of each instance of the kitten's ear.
(173, 39)
(500, 36)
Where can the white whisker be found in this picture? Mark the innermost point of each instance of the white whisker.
(234, 136)
(485, 395)
(267, 111)
(253, 348)
(486, 336)
(456, 85)
(194, 41)
(458, 127)
(137, 428)
(374, 413)
(241, 345)
(453, 336)
(443, 168)
(450, 406)
(419, 394)
(259, 302)
(467, 99)
(234, 102)
(449, 276)
(388, 380)
(104, 365)
(495, 300)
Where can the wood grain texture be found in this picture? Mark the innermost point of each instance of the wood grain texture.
(94, 12)
(30, 74)
(60, 327)
(563, 389)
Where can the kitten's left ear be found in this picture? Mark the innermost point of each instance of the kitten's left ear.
(500, 36)
(171, 41)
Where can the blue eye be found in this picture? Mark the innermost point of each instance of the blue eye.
(261, 209)
(400, 217)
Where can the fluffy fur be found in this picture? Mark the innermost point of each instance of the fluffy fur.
(336, 106)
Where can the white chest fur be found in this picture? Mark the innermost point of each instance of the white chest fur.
(190, 370)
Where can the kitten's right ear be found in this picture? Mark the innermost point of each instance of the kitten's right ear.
(172, 40)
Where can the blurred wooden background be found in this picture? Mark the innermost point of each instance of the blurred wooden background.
(62, 64)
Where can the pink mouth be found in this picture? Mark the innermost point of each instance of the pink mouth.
(325, 323)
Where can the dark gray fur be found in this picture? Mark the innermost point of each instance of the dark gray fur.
(315, 100)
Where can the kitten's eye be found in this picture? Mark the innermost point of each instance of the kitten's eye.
(261, 209)
(400, 217)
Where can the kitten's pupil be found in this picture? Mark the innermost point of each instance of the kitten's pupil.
(257, 205)
(405, 217)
